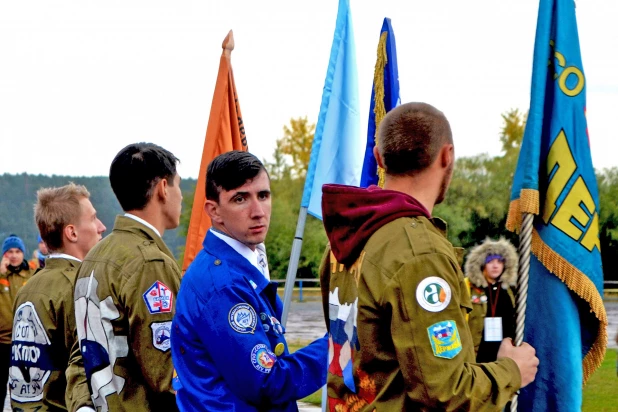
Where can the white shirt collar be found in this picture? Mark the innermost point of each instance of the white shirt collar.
(143, 222)
(62, 256)
(242, 249)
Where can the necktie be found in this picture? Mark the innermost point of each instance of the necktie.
(262, 261)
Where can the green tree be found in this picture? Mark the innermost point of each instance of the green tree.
(296, 143)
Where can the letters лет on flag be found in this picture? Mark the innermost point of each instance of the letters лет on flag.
(554, 180)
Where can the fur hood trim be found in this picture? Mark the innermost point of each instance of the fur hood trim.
(476, 260)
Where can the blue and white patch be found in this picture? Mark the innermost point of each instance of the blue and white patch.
(444, 339)
(262, 358)
(159, 298)
(161, 332)
(243, 318)
(32, 359)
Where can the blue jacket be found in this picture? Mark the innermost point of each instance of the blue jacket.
(228, 346)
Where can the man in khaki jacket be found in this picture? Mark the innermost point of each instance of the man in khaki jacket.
(14, 273)
(126, 288)
(44, 320)
(394, 296)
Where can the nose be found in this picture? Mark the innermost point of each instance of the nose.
(257, 211)
(102, 227)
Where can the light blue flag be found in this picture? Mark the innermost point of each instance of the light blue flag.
(565, 318)
(337, 151)
(388, 82)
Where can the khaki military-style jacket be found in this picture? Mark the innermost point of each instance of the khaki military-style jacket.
(43, 328)
(124, 302)
(10, 283)
(397, 319)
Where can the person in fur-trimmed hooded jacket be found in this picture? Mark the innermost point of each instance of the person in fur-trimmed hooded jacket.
(491, 268)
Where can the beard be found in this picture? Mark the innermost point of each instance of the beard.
(446, 181)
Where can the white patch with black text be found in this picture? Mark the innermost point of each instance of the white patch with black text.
(31, 357)
(161, 332)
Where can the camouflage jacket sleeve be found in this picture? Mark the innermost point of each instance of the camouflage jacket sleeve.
(429, 301)
(150, 301)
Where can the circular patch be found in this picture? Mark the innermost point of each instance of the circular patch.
(262, 359)
(243, 318)
(433, 294)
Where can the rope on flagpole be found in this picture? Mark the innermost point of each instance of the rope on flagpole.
(525, 245)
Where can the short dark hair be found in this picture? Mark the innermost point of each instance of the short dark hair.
(411, 136)
(136, 170)
(229, 171)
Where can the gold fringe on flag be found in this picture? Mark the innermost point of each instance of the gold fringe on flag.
(378, 87)
(528, 202)
(579, 283)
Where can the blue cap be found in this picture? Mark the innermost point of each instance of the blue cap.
(13, 242)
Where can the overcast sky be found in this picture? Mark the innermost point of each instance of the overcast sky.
(79, 80)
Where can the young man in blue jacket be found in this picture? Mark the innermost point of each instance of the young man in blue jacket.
(228, 346)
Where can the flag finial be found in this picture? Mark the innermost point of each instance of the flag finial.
(228, 43)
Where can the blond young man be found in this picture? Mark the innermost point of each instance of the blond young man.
(44, 321)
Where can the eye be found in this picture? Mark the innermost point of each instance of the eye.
(238, 199)
(263, 195)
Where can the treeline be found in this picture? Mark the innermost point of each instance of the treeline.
(476, 205)
(18, 195)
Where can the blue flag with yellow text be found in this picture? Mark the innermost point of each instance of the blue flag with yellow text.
(554, 180)
(384, 97)
(337, 152)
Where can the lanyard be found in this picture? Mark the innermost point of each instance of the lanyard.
(494, 302)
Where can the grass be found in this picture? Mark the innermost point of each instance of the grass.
(314, 398)
(601, 392)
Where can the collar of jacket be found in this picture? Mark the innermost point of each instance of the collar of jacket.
(235, 261)
(61, 263)
(126, 224)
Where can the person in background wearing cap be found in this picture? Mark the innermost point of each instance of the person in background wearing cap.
(39, 255)
(44, 314)
(491, 268)
(14, 273)
(228, 345)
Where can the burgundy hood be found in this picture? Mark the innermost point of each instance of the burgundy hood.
(351, 215)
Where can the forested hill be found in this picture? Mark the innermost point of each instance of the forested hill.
(18, 195)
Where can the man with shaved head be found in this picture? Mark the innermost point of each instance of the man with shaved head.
(395, 302)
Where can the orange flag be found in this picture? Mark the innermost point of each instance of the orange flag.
(225, 132)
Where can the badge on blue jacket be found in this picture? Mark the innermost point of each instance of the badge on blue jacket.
(243, 318)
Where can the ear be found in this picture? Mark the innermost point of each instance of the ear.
(376, 154)
(70, 233)
(212, 209)
(447, 155)
(161, 190)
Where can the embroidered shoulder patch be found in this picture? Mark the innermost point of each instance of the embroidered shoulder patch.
(159, 298)
(262, 358)
(433, 294)
(444, 339)
(161, 332)
(242, 318)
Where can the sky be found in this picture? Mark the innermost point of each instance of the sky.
(79, 80)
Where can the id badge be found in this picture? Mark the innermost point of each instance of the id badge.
(493, 329)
